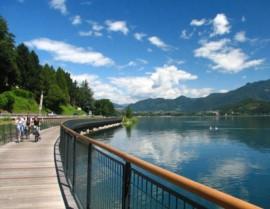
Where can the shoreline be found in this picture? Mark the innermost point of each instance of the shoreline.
(101, 128)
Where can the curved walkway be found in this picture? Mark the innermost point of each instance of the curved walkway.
(28, 176)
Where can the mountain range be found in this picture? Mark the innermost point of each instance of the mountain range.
(259, 91)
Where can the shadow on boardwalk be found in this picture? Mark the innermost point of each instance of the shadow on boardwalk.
(65, 188)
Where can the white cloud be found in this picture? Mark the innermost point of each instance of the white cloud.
(226, 59)
(86, 33)
(156, 41)
(76, 20)
(185, 34)
(139, 36)
(177, 149)
(163, 82)
(230, 170)
(220, 25)
(166, 82)
(96, 26)
(59, 5)
(196, 22)
(96, 30)
(143, 61)
(223, 91)
(172, 61)
(240, 36)
(69, 53)
(103, 89)
(136, 64)
(117, 26)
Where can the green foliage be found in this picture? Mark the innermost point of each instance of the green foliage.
(8, 68)
(249, 107)
(18, 100)
(29, 67)
(20, 68)
(6, 101)
(84, 97)
(23, 93)
(70, 110)
(104, 107)
(62, 83)
(54, 98)
(129, 122)
(129, 113)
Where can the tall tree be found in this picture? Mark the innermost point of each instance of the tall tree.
(47, 78)
(84, 97)
(28, 64)
(22, 63)
(8, 68)
(72, 88)
(104, 107)
(54, 98)
(62, 83)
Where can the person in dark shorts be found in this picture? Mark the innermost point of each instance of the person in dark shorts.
(28, 126)
(36, 128)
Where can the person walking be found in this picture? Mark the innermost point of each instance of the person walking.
(23, 127)
(28, 126)
(36, 122)
(18, 129)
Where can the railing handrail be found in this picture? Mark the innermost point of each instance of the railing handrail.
(211, 194)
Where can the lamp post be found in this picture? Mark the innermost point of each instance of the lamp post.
(40, 103)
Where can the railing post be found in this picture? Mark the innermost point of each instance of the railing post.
(10, 132)
(126, 186)
(74, 165)
(66, 138)
(89, 168)
(4, 131)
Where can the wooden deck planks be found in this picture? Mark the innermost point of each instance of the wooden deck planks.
(28, 176)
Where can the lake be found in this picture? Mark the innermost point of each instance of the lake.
(230, 154)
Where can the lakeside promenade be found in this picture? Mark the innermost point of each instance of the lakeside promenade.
(28, 177)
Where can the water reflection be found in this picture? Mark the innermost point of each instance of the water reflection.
(234, 159)
(128, 131)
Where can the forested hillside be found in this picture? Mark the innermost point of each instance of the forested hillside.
(257, 91)
(21, 69)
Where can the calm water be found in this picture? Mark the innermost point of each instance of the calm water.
(235, 158)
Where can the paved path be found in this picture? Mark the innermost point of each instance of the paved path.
(27, 174)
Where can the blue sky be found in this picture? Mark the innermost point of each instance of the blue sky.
(132, 50)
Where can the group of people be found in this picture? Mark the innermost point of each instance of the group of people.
(26, 125)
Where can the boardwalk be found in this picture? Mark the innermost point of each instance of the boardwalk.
(27, 174)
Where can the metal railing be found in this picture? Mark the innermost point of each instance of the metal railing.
(101, 177)
(8, 132)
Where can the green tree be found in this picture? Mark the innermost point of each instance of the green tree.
(22, 63)
(128, 112)
(30, 69)
(84, 97)
(72, 88)
(6, 101)
(62, 83)
(54, 98)
(104, 107)
(47, 78)
(8, 67)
